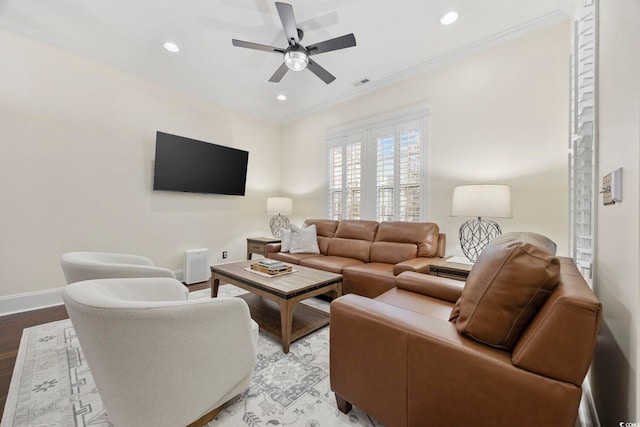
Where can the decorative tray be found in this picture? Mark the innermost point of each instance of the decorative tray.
(255, 268)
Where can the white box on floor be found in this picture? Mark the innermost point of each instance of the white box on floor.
(196, 266)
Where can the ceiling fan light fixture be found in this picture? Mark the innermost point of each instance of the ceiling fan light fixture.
(296, 60)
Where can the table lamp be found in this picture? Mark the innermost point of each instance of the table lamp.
(480, 200)
(279, 207)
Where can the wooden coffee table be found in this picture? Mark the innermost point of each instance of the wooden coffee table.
(273, 301)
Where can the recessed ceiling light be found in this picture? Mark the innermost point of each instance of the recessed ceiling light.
(449, 17)
(281, 97)
(171, 47)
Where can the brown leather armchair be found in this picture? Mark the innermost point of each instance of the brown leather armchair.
(515, 352)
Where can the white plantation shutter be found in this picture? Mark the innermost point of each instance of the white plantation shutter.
(345, 172)
(385, 174)
(376, 171)
(353, 172)
(335, 182)
(583, 185)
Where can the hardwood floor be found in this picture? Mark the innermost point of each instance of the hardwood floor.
(11, 327)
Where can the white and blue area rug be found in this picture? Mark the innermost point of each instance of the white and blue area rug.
(52, 385)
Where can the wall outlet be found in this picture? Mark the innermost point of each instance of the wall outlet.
(224, 254)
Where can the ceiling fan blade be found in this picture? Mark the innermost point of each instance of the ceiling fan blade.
(288, 22)
(341, 42)
(279, 74)
(316, 69)
(256, 46)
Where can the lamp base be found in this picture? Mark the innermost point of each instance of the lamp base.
(278, 222)
(475, 234)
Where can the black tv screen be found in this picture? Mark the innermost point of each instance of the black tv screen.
(188, 165)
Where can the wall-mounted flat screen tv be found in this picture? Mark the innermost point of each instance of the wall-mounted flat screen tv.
(188, 165)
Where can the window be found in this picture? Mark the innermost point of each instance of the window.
(377, 169)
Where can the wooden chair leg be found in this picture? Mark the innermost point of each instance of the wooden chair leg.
(343, 405)
(206, 418)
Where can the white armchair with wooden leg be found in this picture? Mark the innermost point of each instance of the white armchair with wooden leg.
(157, 358)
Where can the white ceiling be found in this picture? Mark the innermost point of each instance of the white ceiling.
(394, 40)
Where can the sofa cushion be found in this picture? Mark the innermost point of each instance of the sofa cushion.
(357, 229)
(422, 234)
(392, 252)
(304, 240)
(350, 248)
(324, 227)
(333, 264)
(506, 287)
(323, 244)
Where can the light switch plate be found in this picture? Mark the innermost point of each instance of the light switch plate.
(612, 187)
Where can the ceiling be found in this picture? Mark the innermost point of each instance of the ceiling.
(395, 39)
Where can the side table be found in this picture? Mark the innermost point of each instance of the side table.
(452, 270)
(258, 245)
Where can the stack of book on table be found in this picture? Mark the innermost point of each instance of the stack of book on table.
(271, 266)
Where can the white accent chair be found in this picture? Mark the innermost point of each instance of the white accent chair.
(79, 266)
(157, 358)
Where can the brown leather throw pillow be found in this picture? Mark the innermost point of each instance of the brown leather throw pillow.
(505, 289)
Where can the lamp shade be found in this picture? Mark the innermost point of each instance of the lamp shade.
(482, 200)
(279, 206)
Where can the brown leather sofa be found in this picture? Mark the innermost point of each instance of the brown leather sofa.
(369, 254)
(515, 352)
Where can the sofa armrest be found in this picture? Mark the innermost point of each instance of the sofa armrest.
(418, 265)
(368, 355)
(433, 286)
(272, 248)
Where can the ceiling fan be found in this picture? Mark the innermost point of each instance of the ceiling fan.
(296, 56)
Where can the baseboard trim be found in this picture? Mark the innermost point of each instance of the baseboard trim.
(19, 303)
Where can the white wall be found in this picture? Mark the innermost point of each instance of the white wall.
(498, 116)
(616, 369)
(76, 165)
(78, 137)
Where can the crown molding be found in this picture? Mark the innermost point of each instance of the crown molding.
(34, 34)
(529, 27)
(568, 7)
(411, 112)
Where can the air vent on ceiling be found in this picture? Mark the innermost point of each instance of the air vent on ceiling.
(361, 82)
